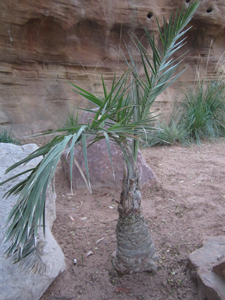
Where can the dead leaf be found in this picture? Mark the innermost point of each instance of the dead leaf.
(99, 241)
(89, 253)
(116, 201)
(121, 289)
(105, 194)
(72, 218)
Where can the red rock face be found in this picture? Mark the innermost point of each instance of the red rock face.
(43, 44)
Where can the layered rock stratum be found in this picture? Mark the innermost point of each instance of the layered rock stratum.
(44, 44)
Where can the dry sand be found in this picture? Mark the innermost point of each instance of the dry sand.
(187, 206)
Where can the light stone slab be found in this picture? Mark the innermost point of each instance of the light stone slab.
(15, 282)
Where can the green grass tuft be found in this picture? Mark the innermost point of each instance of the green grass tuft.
(167, 134)
(199, 116)
(6, 136)
(202, 111)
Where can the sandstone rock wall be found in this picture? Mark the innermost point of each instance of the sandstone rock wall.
(45, 43)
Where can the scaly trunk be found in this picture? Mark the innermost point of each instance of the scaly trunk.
(135, 249)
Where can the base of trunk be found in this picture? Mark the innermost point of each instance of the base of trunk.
(135, 249)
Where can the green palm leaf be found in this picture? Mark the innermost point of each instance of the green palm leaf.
(161, 66)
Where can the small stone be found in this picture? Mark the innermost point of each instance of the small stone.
(114, 254)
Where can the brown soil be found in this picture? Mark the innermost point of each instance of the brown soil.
(185, 208)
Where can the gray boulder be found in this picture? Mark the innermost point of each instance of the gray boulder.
(17, 283)
(207, 266)
(99, 166)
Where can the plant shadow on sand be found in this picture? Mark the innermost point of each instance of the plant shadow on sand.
(187, 206)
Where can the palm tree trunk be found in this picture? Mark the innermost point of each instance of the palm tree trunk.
(135, 249)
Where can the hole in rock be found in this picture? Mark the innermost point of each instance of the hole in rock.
(209, 10)
(149, 15)
(187, 1)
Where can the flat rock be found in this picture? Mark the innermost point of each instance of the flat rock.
(207, 266)
(100, 170)
(17, 283)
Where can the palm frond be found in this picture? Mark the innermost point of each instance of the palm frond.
(160, 65)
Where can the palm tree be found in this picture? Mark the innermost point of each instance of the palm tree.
(122, 116)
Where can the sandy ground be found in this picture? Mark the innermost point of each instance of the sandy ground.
(185, 207)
